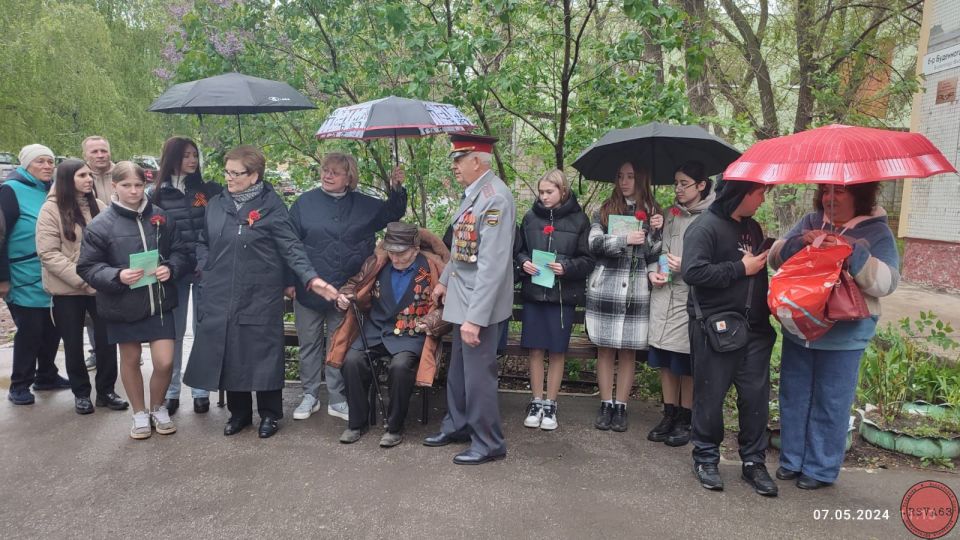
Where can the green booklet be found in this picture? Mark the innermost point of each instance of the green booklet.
(620, 225)
(546, 278)
(148, 262)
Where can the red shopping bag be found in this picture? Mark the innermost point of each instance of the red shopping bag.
(800, 289)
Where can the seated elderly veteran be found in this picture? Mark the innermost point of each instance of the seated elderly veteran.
(393, 290)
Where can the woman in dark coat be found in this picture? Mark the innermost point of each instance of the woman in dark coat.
(244, 248)
(179, 189)
(557, 224)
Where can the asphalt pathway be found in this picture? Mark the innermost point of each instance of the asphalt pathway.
(68, 476)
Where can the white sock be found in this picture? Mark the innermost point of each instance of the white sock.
(607, 401)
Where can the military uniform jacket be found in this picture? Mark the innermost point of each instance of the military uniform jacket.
(479, 277)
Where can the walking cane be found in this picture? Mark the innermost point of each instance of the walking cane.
(371, 363)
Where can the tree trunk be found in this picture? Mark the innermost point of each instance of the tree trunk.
(805, 45)
(754, 56)
(697, 76)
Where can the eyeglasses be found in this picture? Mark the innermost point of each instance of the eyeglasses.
(683, 187)
(236, 174)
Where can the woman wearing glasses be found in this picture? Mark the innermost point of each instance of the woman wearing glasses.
(337, 225)
(245, 246)
(669, 342)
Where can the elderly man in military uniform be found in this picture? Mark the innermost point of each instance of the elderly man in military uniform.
(394, 288)
(476, 289)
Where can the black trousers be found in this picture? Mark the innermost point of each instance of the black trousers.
(472, 401)
(748, 370)
(357, 377)
(69, 314)
(34, 347)
(269, 403)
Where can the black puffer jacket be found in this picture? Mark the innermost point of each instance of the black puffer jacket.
(109, 240)
(187, 209)
(569, 241)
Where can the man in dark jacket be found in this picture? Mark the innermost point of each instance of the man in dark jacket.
(726, 270)
(337, 225)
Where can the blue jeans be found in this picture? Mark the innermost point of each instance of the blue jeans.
(180, 320)
(817, 389)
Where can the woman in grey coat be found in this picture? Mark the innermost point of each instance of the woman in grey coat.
(618, 295)
(244, 248)
(668, 338)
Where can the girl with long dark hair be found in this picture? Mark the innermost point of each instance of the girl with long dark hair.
(180, 191)
(60, 226)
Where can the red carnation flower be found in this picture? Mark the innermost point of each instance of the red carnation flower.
(641, 215)
(548, 229)
(254, 215)
(675, 211)
(157, 220)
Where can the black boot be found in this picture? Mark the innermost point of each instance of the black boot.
(660, 432)
(619, 421)
(680, 435)
(604, 416)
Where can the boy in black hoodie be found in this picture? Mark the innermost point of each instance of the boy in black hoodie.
(721, 256)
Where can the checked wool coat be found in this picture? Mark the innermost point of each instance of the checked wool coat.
(618, 297)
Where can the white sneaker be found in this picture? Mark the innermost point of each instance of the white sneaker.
(340, 410)
(161, 421)
(549, 420)
(308, 406)
(534, 414)
(141, 426)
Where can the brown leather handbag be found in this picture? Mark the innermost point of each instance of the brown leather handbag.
(846, 302)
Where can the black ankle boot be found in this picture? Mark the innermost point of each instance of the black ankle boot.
(680, 435)
(619, 420)
(660, 432)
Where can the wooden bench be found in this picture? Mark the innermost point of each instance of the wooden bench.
(580, 348)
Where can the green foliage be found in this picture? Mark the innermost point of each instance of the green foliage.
(61, 84)
(937, 463)
(931, 329)
(896, 370)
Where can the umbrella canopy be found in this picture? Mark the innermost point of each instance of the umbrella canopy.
(661, 148)
(393, 117)
(231, 93)
(839, 154)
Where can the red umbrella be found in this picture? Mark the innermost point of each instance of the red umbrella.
(839, 154)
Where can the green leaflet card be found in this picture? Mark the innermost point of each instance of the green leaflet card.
(148, 261)
(620, 225)
(540, 260)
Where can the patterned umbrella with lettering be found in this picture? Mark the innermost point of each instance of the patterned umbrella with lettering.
(393, 117)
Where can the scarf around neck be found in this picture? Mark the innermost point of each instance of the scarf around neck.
(247, 195)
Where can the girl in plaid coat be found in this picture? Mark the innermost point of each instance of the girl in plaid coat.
(618, 296)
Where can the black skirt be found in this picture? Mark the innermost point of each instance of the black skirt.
(546, 326)
(143, 331)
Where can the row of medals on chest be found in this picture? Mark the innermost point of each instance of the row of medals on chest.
(465, 238)
(409, 317)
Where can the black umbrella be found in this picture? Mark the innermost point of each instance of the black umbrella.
(661, 148)
(233, 94)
